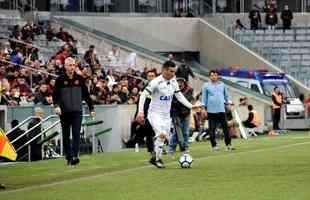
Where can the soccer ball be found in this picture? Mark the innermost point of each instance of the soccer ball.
(185, 161)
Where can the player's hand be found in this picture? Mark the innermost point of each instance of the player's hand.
(140, 117)
(92, 114)
(58, 110)
(195, 106)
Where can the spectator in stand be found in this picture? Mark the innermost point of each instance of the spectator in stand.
(124, 94)
(287, 17)
(91, 59)
(111, 79)
(113, 55)
(64, 35)
(50, 33)
(134, 94)
(27, 32)
(184, 71)
(131, 60)
(273, 5)
(63, 54)
(255, 18)
(33, 54)
(271, 20)
(72, 47)
(15, 95)
(42, 94)
(16, 33)
(115, 95)
(239, 25)
(17, 56)
(144, 73)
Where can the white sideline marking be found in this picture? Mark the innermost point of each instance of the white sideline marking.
(139, 168)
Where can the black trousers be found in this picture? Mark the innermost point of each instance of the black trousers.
(71, 120)
(215, 119)
(276, 118)
(146, 131)
(36, 150)
(248, 124)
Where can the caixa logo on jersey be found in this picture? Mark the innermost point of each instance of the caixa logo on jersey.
(165, 98)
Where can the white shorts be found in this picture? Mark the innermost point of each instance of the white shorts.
(160, 124)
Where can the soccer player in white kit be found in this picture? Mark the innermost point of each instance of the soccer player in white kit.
(162, 89)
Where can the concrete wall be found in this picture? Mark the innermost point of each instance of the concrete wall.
(217, 49)
(154, 33)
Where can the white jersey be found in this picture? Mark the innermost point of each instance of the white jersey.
(162, 92)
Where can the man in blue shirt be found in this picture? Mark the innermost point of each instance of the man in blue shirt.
(214, 99)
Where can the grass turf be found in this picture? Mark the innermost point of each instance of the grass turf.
(261, 168)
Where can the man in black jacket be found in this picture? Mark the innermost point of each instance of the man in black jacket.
(69, 92)
(255, 18)
(184, 71)
(91, 58)
(145, 130)
(287, 17)
(180, 119)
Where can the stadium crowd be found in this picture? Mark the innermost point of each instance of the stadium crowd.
(27, 79)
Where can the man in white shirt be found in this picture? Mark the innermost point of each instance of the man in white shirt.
(162, 90)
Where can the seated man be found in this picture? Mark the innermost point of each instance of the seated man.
(253, 119)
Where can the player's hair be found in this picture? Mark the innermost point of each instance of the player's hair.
(168, 64)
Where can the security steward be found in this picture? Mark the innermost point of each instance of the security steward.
(69, 92)
(277, 101)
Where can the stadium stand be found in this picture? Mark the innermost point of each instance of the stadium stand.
(288, 49)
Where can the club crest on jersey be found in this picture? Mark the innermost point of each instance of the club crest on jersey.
(164, 98)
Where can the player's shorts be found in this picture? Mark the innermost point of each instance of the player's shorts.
(160, 124)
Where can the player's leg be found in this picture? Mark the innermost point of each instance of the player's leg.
(161, 128)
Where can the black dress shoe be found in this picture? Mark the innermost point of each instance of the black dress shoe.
(75, 161)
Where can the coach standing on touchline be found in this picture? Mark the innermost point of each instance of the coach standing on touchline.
(69, 92)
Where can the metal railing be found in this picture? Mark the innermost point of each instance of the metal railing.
(34, 127)
(21, 124)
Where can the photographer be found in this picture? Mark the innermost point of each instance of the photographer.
(180, 118)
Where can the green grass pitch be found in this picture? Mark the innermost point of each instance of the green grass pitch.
(264, 168)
